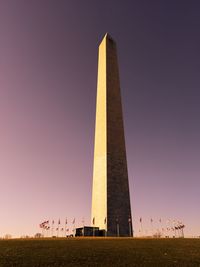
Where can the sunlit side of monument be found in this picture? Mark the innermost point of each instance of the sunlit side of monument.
(111, 209)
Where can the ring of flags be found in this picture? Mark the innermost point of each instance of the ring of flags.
(172, 228)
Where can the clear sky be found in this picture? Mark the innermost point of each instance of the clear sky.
(48, 75)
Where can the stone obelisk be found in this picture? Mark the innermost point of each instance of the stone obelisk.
(111, 210)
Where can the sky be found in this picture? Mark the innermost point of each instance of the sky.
(48, 77)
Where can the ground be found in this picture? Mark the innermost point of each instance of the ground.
(106, 252)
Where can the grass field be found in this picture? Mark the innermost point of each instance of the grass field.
(99, 252)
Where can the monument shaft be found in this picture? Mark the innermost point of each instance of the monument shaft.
(110, 197)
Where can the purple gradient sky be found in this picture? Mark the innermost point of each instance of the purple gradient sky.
(48, 71)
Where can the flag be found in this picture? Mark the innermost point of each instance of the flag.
(93, 221)
(140, 219)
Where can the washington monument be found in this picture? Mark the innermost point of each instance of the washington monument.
(111, 209)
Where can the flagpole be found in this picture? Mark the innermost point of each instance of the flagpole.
(117, 222)
(129, 221)
(83, 226)
(160, 226)
(105, 221)
(93, 223)
(174, 229)
(183, 226)
(48, 229)
(118, 229)
(73, 227)
(42, 230)
(152, 230)
(52, 226)
(141, 226)
(168, 227)
(65, 227)
(58, 228)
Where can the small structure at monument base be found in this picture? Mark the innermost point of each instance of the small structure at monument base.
(89, 231)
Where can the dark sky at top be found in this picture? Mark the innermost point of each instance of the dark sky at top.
(48, 74)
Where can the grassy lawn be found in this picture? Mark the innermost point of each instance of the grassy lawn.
(99, 252)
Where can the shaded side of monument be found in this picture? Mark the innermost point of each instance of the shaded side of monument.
(111, 210)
